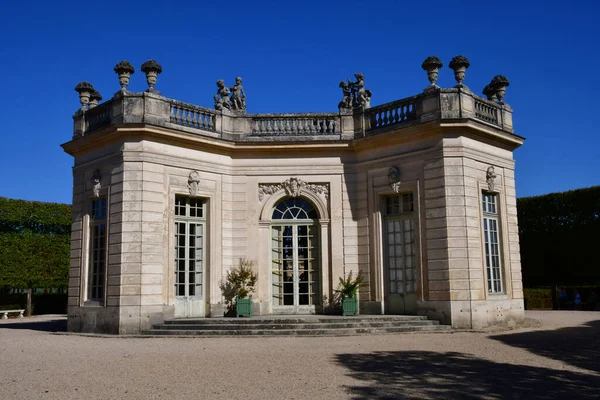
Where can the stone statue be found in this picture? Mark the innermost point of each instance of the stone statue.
(361, 97)
(222, 96)
(490, 177)
(238, 96)
(96, 183)
(347, 99)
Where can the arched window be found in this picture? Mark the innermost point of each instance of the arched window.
(295, 208)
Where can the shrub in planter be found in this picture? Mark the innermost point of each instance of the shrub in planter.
(348, 291)
(236, 288)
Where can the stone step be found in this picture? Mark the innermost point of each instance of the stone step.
(298, 332)
(294, 320)
(280, 326)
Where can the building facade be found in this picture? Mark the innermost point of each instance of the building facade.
(418, 195)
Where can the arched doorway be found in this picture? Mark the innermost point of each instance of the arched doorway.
(295, 257)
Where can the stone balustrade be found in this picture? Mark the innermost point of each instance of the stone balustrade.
(192, 116)
(486, 110)
(154, 109)
(393, 113)
(295, 124)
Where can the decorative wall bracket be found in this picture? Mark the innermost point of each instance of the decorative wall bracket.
(394, 178)
(194, 183)
(96, 185)
(293, 187)
(490, 177)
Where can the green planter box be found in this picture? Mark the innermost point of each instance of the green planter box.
(243, 307)
(350, 306)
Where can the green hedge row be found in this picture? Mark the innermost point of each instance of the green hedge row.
(41, 303)
(558, 235)
(541, 298)
(34, 244)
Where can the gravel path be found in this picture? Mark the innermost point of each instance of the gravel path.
(559, 360)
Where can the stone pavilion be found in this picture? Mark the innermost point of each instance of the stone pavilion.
(417, 194)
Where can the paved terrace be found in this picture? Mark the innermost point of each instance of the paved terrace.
(559, 360)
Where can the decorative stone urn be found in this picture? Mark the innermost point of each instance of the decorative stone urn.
(124, 69)
(499, 84)
(85, 90)
(459, 64)
(151, 68)
(490, 92)
(95, 98)
(432, 64)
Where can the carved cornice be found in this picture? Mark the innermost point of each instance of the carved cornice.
(293, 187)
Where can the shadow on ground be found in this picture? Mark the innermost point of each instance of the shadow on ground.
(423, 374)
(578, 346)
(48, 325)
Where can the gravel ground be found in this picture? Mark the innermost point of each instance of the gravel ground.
(560, 359)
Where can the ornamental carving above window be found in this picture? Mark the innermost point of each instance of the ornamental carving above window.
(293, 187)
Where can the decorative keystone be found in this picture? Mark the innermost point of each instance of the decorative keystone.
(459, 64)
(85, 90)
(490, 92)
(124, 69)
(95, 98)
(151, 68)
(432, 64)
(499, 84)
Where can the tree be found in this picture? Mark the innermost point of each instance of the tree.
(34, 245)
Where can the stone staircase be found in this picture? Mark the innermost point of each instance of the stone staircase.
(306, 325)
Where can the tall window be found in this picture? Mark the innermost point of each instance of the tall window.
(295, 254)
(491, 243)
(400, 244)
(97, 260)
(190, 230)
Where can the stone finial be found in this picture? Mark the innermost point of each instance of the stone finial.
(151, 68)
(96, 186)
(222, 96)
(459, 64)
(499, 85)
(124, 69)
(490, 92)
(238, 96)
(95, 98)
(490, 177)
(432, 64)
(394, 178)
(85, 90)
(194, 183)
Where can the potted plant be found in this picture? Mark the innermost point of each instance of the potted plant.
(348, 291)
(236, 288)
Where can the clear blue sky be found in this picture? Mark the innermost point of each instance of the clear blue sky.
(292, 55)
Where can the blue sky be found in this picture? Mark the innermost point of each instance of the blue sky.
(292, 55)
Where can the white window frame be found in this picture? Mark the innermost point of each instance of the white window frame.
(401, 216)
(188, 220)
(492, 243)
(90, 267)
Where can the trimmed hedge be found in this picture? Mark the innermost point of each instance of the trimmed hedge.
(55, 303)
(558, 234)
(34, 244)
(538, 298)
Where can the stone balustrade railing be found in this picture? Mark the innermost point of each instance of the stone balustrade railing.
(192, 116)
(393, 113)
(295, 124)
(486, 110)
(153, 109)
